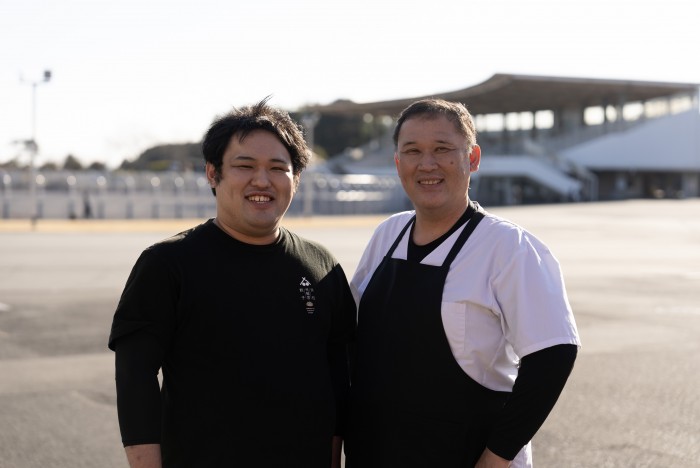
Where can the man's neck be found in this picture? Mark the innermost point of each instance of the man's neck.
(430, 225)
(263, 239)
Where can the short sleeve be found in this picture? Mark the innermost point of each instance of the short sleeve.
(531, 294)
(149, 299)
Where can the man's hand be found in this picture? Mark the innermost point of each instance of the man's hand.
(336, 451)
(144, 456)
(489, 459)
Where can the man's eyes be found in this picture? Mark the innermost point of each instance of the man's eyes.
(438, 150)
(274, 168)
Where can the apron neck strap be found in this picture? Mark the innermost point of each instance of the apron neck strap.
(400, 236)
(476, 214)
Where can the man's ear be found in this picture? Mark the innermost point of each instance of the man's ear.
(474, 158)
(212, 176)
(396, 160)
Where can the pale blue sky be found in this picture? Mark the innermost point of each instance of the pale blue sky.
(129, 74)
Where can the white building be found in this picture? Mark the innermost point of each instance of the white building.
(549, 139)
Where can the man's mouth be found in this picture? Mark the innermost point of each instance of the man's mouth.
(259, 198)
(430, 182)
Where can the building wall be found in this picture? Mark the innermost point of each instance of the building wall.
(621, 185)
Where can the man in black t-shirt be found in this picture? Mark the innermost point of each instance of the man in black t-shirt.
(248, 323)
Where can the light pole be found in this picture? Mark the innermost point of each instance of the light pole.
(33, 147)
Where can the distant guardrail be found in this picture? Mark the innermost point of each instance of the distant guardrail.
(129, 195)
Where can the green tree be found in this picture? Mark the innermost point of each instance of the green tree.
(49, 166)
(334, 133)
(97, 166)
(72, 163)
(186, 156)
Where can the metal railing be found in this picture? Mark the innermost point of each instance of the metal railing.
(139, 195)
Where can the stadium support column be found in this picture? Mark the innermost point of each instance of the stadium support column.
(6, 182)
(690, 185)
(619, 112)
(309, 121)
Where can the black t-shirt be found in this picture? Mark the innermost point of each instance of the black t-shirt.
(253, 348)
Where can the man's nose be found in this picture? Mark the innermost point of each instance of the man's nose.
(261, 178)
(427, 161)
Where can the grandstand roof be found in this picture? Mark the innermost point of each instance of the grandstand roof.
(670, 143)
(504, 93)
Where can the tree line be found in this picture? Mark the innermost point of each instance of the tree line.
(333, 134)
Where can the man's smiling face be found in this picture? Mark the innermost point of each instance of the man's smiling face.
(254, 187)
(434, 163)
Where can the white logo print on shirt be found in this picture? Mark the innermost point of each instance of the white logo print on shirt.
(308, 295)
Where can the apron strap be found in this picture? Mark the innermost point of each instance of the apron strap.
(400, 236)
(476, 216)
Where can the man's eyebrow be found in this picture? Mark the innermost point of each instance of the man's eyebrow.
(442, 142)
(243, 157)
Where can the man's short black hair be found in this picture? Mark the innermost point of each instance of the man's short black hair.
(259, 116)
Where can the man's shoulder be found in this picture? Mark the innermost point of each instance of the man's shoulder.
(499, 225)
(299, 244)
(503, 232)
(395, 222)
(388, 230)
(182, 240)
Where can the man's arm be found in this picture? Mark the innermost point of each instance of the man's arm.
(138, 358)
(337, 449)
(342, 333)
(489, 459)
(142, 326)
(540, 380)
(143, 456)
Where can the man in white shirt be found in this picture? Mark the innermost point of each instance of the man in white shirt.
(465, 333)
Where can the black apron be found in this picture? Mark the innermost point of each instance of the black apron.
(412, 405)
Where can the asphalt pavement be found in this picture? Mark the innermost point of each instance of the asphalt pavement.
(632, 270)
